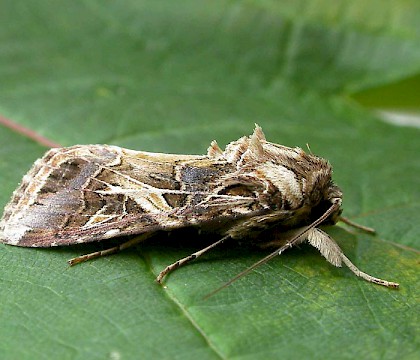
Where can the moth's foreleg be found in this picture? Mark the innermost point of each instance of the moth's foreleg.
(332, 252)
(187, 259)
(367, 277)
(113, 250)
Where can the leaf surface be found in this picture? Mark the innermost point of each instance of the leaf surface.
(170, 77)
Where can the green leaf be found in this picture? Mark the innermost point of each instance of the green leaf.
(172, 76)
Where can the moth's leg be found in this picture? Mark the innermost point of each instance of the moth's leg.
(113, 250)
(189, 258)
(355, 225)
(332, 252)
(365, 276)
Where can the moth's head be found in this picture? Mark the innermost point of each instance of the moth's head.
(332, 195)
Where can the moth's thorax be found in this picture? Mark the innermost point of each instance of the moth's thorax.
(283, 178)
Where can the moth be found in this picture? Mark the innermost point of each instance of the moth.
(254, 190)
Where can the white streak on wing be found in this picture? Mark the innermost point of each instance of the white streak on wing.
(13, 232)
(98, 219)
(112, 232)
(285, 180)
(148, 199)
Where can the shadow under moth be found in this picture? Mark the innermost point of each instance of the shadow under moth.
(257, 191)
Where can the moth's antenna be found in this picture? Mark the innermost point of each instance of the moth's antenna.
(355, 225)
(335, 206)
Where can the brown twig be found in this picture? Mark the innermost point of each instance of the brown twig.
(31, 134)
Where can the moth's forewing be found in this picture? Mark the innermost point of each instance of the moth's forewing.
(94, 192)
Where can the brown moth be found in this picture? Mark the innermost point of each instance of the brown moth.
(254, 190)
